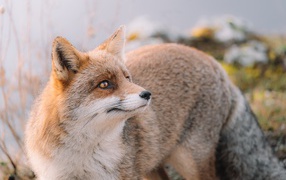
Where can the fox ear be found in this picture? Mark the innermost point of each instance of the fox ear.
(66, 59)
(115, 44)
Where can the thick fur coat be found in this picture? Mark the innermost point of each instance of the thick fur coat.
(96, 117)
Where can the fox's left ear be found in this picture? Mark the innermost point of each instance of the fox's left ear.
(115, 44)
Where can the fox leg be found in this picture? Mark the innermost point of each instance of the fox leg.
(158, 174)
(193, 163)
(184, 163)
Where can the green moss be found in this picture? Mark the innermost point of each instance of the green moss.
(265, 88)
(264, 78)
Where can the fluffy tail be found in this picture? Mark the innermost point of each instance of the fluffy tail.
(243, 152)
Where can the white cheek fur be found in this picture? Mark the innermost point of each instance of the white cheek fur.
(98, 110)
(94, 136)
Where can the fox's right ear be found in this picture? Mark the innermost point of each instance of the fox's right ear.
(66, 59)
(115, 44)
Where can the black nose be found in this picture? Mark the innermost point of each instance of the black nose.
(145, 95)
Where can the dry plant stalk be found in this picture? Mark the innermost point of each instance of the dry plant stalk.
(17, 90)
(20, 86)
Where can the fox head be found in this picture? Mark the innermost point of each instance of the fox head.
(95, 89)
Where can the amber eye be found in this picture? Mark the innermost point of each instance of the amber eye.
(103, 84)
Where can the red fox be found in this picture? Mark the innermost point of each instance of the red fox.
(107, 115)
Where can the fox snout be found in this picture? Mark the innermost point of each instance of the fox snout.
(145, 95)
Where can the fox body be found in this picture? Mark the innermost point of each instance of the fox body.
(94, 120)
(218, 136)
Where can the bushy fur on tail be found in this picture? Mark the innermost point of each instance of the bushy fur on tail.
(243, 152)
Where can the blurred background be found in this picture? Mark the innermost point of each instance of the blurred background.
(247, 37)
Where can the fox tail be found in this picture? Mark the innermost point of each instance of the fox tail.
(243, 151)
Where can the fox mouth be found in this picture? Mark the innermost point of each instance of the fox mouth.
(116, 109)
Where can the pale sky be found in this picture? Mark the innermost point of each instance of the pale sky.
(37, 23)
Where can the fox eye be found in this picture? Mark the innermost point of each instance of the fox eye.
(104, 84)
